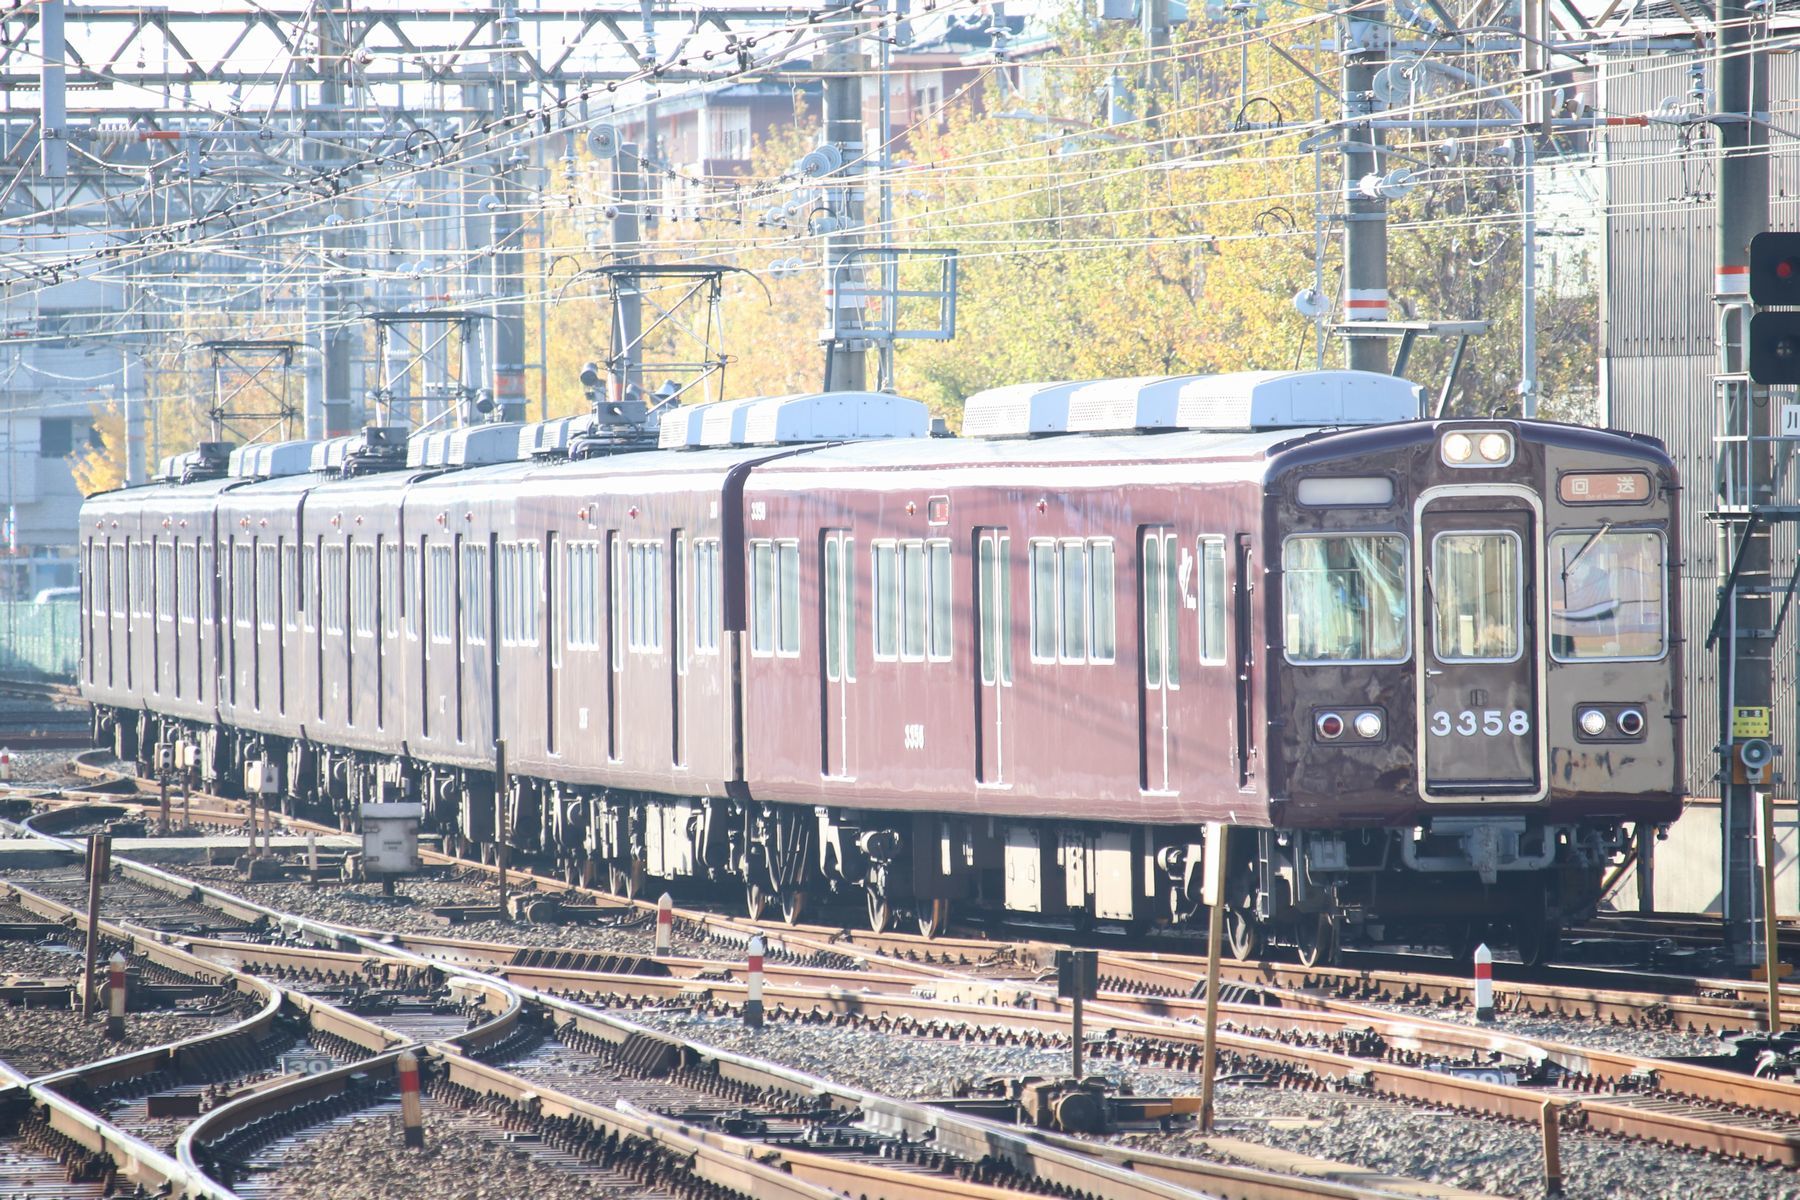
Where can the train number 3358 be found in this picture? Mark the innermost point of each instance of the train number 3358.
(1490, 721)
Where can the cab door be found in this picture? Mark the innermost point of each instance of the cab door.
(1481, 687)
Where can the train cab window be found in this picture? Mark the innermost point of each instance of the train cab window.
(1073, 617)
(332, 595)
(707, 623)
(1606, 594)
(1212, 600)
(475, 594)
(775, 597)
(1344, 598)
(442, 598)
(647, 594)
(1476, 595)
(186, 584)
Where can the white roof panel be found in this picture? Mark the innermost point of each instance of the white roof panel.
(266, 460)
(788, 420)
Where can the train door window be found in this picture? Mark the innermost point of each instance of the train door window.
(1477, 596)
(393, 600)
(581, 595)
(884, 570)
(994, 611)
(331, 590)
(1162, 610)
(442, 598)
(647, 596)
(362, 590)
(412, 593)
(840, 607)
(678, 603)
(243, 586)
(1212, 600)
(268, 595)
(306, 594)
(475, 593)
(707, 622)
(187, 584)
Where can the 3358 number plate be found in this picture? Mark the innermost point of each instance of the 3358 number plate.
(1489, 722)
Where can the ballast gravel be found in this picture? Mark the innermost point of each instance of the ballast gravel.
(1570, 1031)
(39, 768)
(365, 1158)
(37, 1041)
(1388, 1136)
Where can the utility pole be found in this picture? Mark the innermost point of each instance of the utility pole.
(506, 231)
(1364, 51)
(625, 370)
(841, 62)
(1746, 667)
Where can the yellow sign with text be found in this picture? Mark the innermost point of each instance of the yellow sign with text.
(1750, 723)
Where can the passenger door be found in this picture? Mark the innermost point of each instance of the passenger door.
(1480, 649)
(993, 652)
(1159, 658)
(838, 614)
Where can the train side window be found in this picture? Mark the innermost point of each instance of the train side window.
(1212, 600)
(115, 580)
(787, 554)
(1043, 600)
(647, 596)
(165, 581)
(208, 579)
(912, 601)
(1344, 598)
(884, 584)
(1103, 635)
(243, 586)
(440, 564)
(331, 590)
(706, 595)
(187, 583)
(268, 598)
(507, 570)
(392, 593)
(291, 587)
(775, 596)
(475, 593)
(530, 588)
(1071, 587)
(140, 579)
(581, 595)
(942, 622)
(615, 600)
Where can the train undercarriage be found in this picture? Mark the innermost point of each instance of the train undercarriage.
(1457, 882)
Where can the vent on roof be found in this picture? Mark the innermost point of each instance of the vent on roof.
(208, 460)
(470, 446)
(550, 439)
(269, 460)
(786, 420)
(1242, 400)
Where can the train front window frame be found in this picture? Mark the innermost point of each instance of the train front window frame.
(1296, 615)
(1448, 600)
(1594, 538)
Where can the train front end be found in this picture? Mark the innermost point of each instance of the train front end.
(1473, 677)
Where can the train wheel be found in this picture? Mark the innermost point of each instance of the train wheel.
(934, 917)
(881, 908)
(1316, 937)
(793, 905)
(1537, 941)
(1243, 933)
(756, 901)
(1464, 937)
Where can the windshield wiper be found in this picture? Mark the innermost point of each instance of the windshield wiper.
(1605, 528)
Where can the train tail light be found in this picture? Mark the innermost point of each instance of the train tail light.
(1330, 726)
(1368, 725)
(1631, 722)
(1593, 722)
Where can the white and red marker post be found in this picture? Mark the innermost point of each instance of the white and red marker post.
(665, 927)
(1484, 983)
(753, 1002)
(412, 1113)
(115, 998)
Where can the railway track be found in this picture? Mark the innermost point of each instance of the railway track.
(818, 1139)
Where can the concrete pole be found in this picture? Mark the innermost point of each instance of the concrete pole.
(625, 370)
(507, 270)
(1364, 51)
(53, 146)
(842, 63)
(1741, 85)
(133, 400)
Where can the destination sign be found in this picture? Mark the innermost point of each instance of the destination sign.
(1604, 487)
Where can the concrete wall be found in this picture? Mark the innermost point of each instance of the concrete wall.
(1686, 872)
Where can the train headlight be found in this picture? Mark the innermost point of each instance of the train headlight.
(1495, 447)
(1368, 724)
(1631, 722)
(1593, 722)
(1459, 448)
(1330, 726)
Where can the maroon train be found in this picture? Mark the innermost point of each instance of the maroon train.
(804, 647)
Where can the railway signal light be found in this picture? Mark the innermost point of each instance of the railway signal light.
(1775, 270)
(1775, 347)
